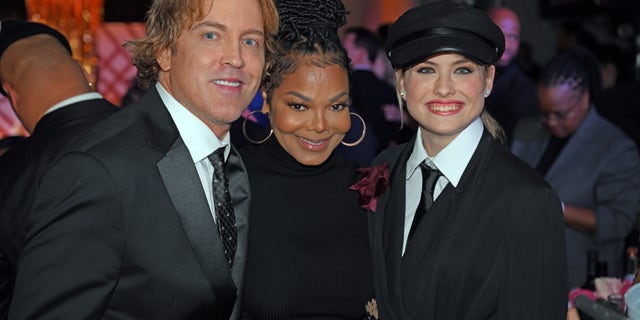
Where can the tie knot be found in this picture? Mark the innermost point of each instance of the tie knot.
(217, 158)
(427, 168)
(429, 177)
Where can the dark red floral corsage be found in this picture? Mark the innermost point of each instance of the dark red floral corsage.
(373, 183)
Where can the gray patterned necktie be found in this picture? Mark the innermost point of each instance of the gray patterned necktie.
(226, 219)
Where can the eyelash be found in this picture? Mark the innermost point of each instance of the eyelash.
(255, 43)
(339, 106)
(207, 34)
(250, 42)
(302, 107)
(464, 70)
(297, 106)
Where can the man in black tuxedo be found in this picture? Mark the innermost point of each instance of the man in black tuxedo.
(54, 109)
(126, 222)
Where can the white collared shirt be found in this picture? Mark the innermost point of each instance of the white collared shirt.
(199, 140)
(78, 98)
(451, 161)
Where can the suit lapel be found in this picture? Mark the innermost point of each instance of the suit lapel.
(388, 228)
(240, 197)
(183, 185)
(434, 227)
(428, 237)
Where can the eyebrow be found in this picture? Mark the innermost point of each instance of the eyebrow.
(309, 99)
(222, 27)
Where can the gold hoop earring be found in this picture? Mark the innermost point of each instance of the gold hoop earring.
(364, 131)
(246, 136)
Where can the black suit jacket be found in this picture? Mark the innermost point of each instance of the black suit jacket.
(121, 229)
(20, 171)
(370, 94)
(491, 248)
(514, 98)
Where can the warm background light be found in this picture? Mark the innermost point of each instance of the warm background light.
(78, 20)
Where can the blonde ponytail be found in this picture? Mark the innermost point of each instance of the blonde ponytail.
(493, 127)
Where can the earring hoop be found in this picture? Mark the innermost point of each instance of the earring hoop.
(246, 136)
(364, 131)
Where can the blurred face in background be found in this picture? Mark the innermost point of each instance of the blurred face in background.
(509, 23)
(562, 108)
(309, 111)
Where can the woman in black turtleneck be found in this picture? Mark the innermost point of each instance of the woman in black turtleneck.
(308, 254)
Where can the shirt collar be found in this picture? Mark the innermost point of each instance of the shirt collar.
(198, 138)
(453, 159)
(75, 99)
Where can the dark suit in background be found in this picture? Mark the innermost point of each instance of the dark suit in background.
(513, 98)
(370, 95)
(33, 56)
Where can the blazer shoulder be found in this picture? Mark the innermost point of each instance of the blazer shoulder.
(390, 155)
(514, 172)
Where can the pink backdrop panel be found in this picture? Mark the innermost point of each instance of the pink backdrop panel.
(115, 71)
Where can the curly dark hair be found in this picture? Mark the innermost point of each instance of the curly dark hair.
(308, 33)
(577, 67)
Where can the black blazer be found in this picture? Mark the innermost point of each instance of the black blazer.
(370, 95)
(121, 229)
(492, 248)
(20, 170)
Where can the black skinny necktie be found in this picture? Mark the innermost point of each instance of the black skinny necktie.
(429, 178)
(226, 219)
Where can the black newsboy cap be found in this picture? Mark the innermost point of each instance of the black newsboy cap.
(14, 30)
(443, 26)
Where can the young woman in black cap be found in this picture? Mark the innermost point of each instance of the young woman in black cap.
(483, 237)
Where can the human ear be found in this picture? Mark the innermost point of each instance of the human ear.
(12, 95)
(491, 73)
(163, 57)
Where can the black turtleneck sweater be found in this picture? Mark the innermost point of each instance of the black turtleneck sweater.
(308, 255)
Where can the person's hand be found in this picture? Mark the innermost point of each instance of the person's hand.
(572, 314)
(372, 310)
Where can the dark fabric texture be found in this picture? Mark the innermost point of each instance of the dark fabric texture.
(126, 232)
(370, 94)
(309, 254)
(490, 248)
(20, 171)
(429, 178)
(443, 26)
(514, 97)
